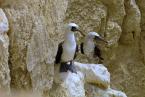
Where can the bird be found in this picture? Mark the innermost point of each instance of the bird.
(67, 49)
(90, 48)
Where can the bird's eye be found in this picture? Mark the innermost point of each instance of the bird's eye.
(73, 29)
(96, 37)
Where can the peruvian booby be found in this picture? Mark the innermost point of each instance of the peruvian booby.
(67, 49)
(89, 48)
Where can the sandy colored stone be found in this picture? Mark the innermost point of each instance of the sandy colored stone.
(33, 43)
(36, 28)
(4, 54)
(92, 91)
(72, 84)
(95, 74)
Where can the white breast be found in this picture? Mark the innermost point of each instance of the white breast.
(69, 48)
(89, 48)
(68, 52)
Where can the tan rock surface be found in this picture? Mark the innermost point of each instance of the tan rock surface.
(34, 25)
(92, 91)
(36, 29)
(72, 84)
(4, 55)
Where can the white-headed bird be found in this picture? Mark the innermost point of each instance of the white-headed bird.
(67, 49)
(89, 46)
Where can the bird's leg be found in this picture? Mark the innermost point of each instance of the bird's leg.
(63, 67)
(72, 67)
(71, 62)
(100, 61)
(90, 59)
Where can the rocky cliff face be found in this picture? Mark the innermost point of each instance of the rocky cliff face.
(36, 28)
(4, 54)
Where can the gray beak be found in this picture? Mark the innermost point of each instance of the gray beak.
(100, 39)
(81, 32)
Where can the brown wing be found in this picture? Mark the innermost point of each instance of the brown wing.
(97, 52)
(59, 53)
(82, 48)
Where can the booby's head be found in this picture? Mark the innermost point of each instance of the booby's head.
(95, 36)
(74, 28)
